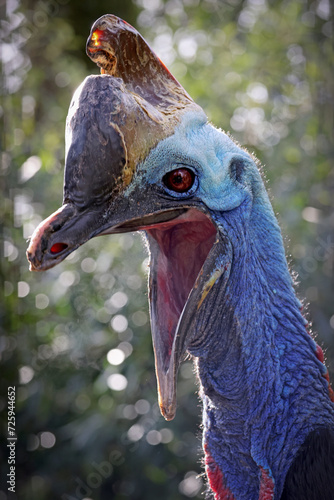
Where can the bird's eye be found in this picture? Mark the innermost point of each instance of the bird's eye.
(179, 180)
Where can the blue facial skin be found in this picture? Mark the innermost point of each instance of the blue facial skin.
(262, 384)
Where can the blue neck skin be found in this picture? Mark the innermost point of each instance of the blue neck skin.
(262, 384)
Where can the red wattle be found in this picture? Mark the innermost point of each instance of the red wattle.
(267, 486)
(216, 478)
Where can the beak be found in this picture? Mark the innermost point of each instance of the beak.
(172, 329)
(69, 227)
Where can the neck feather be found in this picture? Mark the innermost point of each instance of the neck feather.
(263, 382)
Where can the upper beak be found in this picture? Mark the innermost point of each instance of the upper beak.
(70, 227)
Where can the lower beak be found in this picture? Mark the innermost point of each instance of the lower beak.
(216, 268)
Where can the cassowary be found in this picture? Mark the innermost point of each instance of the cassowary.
(140, 155)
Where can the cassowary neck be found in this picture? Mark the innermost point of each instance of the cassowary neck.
(262, 383)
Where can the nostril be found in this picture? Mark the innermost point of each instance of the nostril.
(58, 247)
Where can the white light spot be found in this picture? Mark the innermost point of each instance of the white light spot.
(28, 229)
(115, 357)
(247, 19)
(166, 435)
(191, 484)
(62, 79)
(29, 168)
(23, 209)
(142, 406)
(163, 46)
(10, 251)
(22, 289)
(126, 241)
(60, 344)
(139, 318)
(41, 301)
(233, 78)
(151, 4)
(67, 278)
(238, 122)
(153, 437)
(119, 299)
(258, 92)
(117, 382)
(136, 432)
(74, 256)
(295, 54)
(8, 288)
(129, 412)
(119, 323)
(308, 18)
(187, 48)
(307, 143)
(45, 351)
(103, 316)
(32, 442)
(126, 348)
(331, 321)
(323, 9)
(311, 214)
(28, 105)
(103, 262)
(88, 265)
(134, 282)
(256, 115)
(26, 374)
(48, 439)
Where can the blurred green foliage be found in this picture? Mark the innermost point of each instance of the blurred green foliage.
(75, 341)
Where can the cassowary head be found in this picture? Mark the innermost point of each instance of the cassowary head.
(140, 155)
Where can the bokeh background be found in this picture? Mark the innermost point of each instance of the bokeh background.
(76, 341)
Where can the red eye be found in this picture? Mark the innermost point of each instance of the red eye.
(179, 180)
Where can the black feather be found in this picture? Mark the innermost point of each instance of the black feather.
(311, 475)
